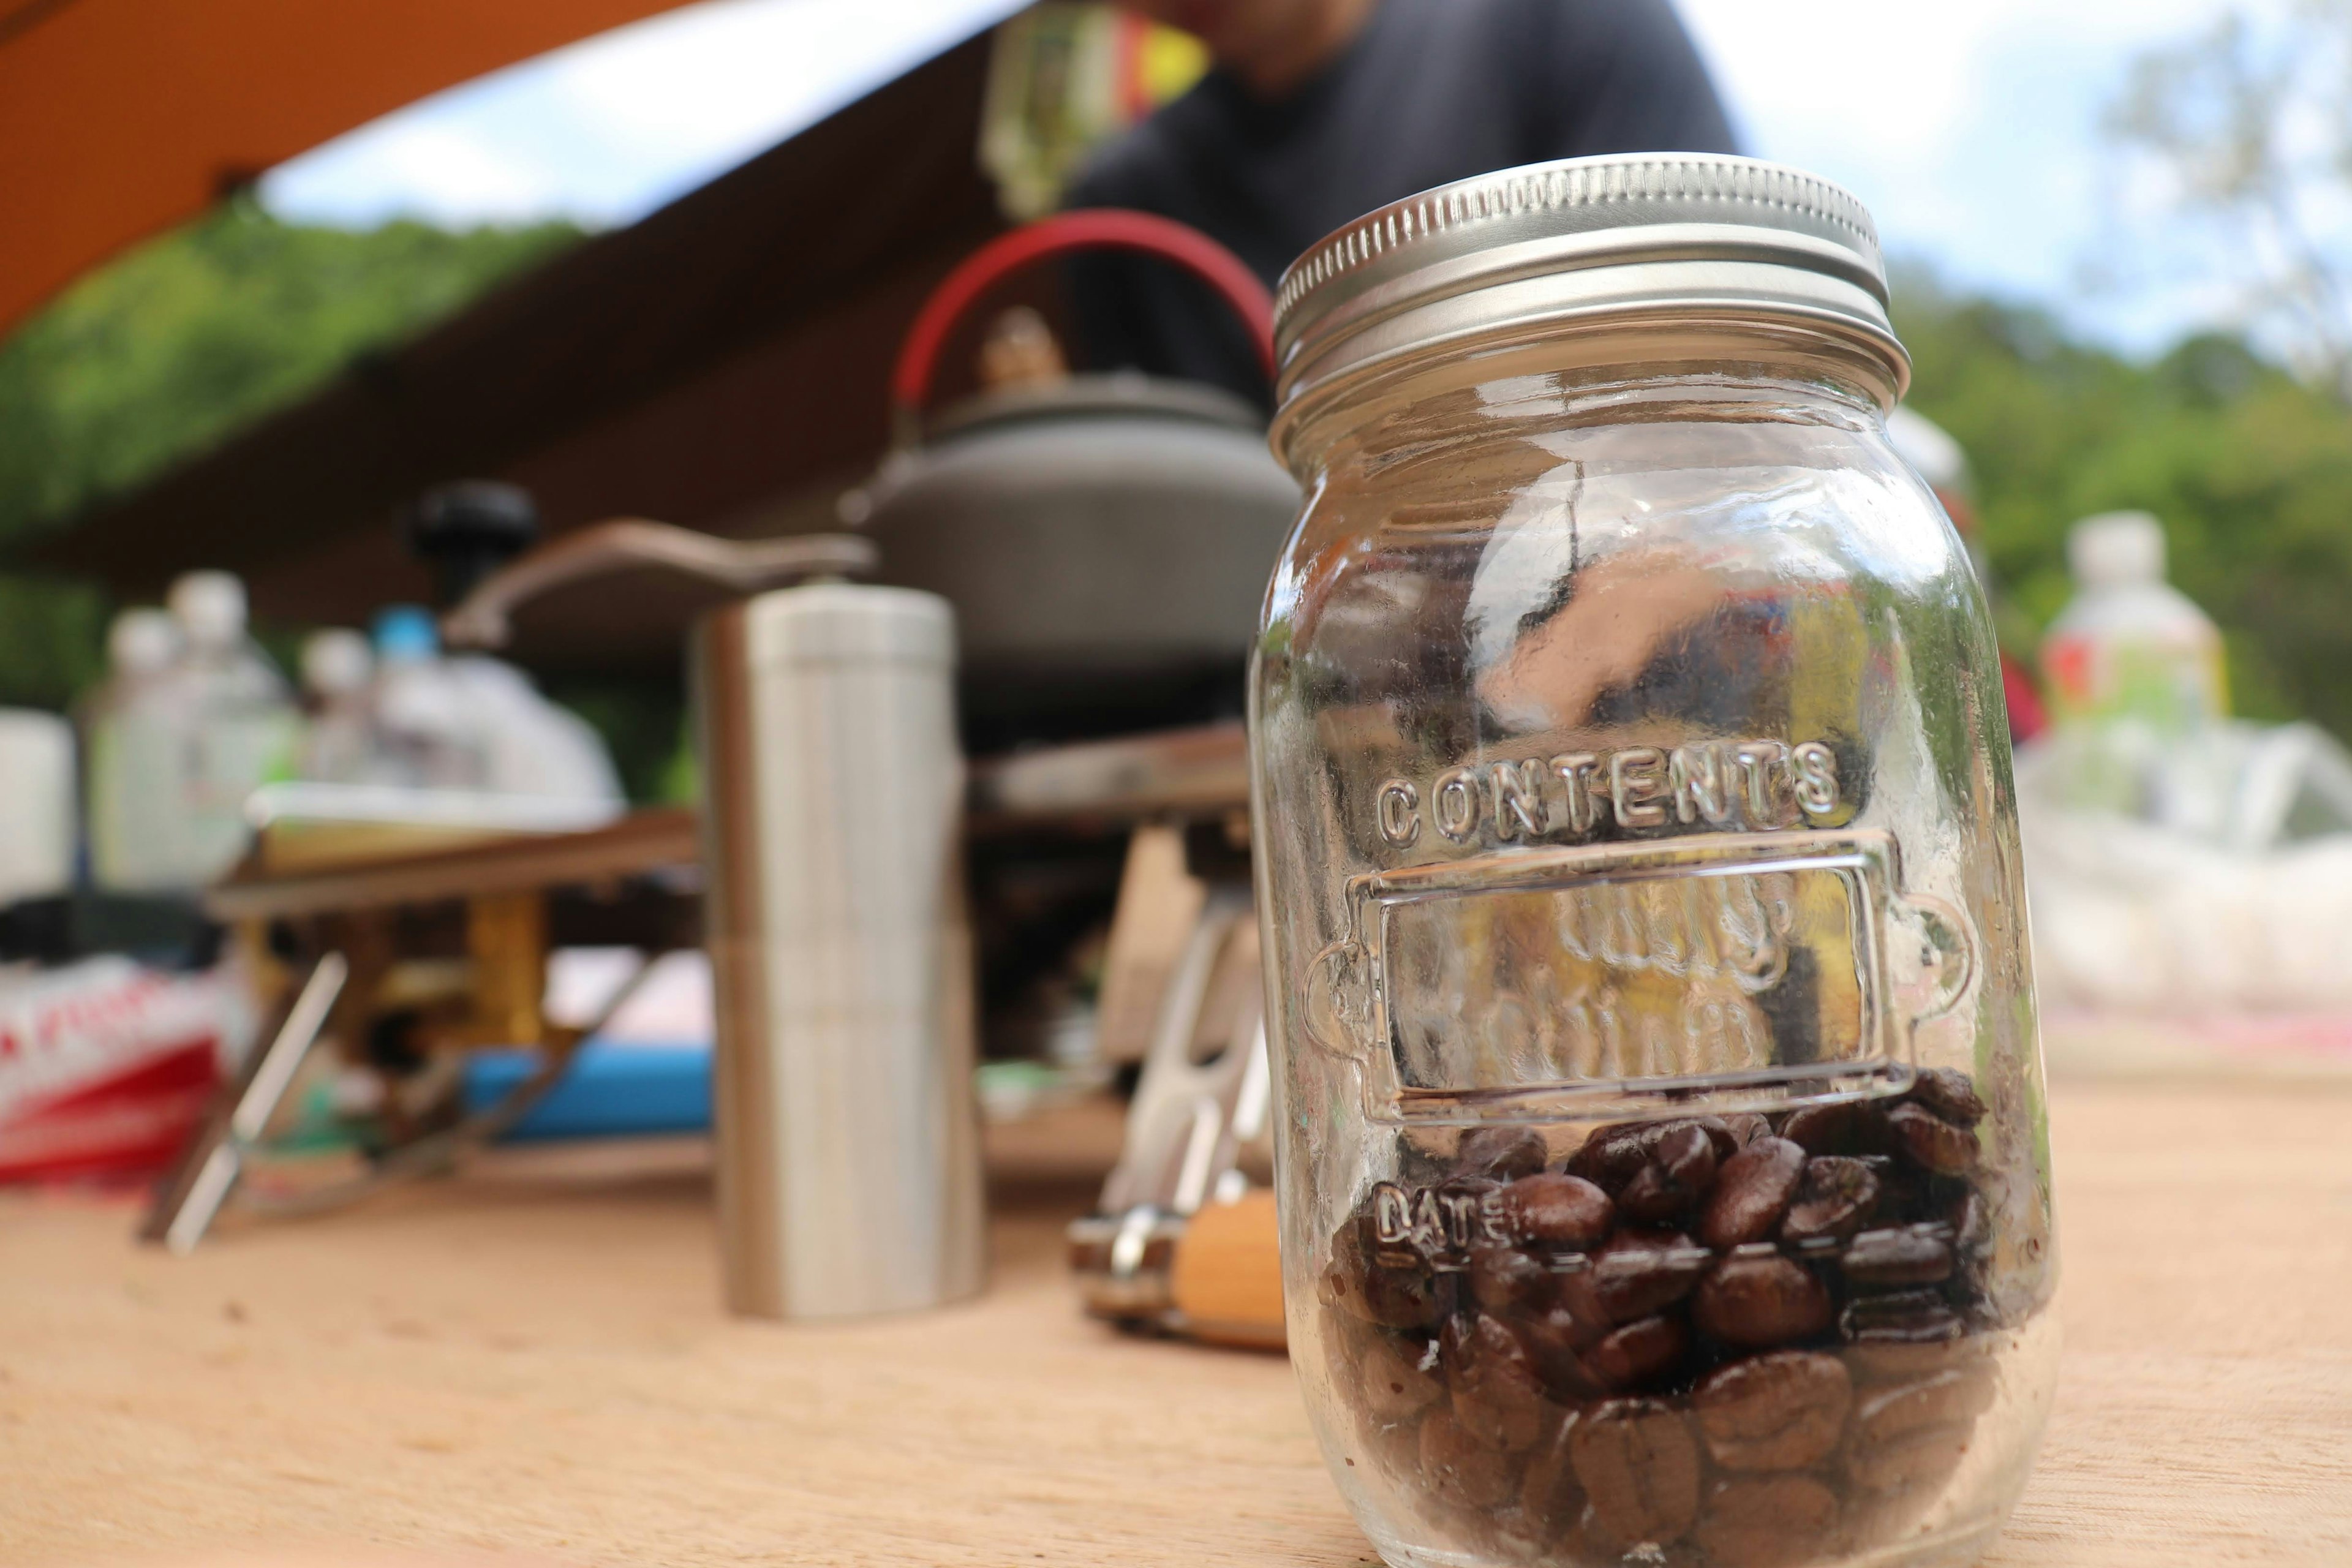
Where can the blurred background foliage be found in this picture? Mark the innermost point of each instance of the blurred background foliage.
(181, 344)
(197, 334)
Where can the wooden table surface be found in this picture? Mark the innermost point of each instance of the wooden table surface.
(530, 1360)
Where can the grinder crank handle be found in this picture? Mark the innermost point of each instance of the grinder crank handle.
(742, 565)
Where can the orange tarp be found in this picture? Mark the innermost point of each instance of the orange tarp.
(120, 118)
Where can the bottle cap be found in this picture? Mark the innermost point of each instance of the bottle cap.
(2115, 548)
(336, 661)
(143, 642)
(210, 608)
(406, 634)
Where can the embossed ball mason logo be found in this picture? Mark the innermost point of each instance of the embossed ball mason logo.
(1756, 783)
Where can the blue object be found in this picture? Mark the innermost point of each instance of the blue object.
(612, 1091)
(406, 631)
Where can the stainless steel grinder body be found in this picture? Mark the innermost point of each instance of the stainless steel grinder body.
(849, 1178)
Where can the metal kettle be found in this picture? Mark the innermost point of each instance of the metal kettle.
(1104, 539)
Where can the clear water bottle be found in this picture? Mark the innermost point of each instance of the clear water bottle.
(240, 728)
(338, 672)
(132, 745)
(429, 727)
(2130, 646)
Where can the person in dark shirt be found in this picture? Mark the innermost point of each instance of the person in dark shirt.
(1317, 111)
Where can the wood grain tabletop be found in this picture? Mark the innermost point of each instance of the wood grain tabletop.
(529, 1362)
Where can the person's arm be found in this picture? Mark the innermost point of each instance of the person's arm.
(1618, 76)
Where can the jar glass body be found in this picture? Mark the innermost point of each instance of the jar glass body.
(1662, 1165)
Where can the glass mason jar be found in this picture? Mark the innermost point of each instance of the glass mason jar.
(1662, 1167)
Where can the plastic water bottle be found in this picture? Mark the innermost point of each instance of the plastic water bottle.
(133, 752)
(338, 673)
(2132, 667)
(532, 746)
(240, 728)
(2130, 646)
(429, 733)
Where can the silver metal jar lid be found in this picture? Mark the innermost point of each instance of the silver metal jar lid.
(1584, 241)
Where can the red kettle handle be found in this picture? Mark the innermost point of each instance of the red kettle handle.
(1094, 229)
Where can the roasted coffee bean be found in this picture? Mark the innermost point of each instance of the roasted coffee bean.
(1769, 1522)
(1639, 1353)
(1610, 1156)
(1397, 1379)
(1905, 1318)
(1677, 1173)
(1931, 1143)
(1460, 1470)
(1892, 1259)
(1745, 1128)
(1502, 1154)
(1757, 1297)
(1550, 1497)
(1720, 1133)
(1942, 1399)
(1504, 1278)
(1358, 1284)
(1558, 1211)
(1947, 1092)
(1837, 1195)
(1639, 1466)
(1640, 1272)
(1751, 1192)
(1499, 1397)
(1916, 1459)
(1900, 1190)
(1842, 1127)
(1557, 1340)
(1779, 1412)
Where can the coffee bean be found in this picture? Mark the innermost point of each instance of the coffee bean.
(1942, 1399)
(1840, 1127)
(1757, 1297)
(1905, 1318)
(1610, 1156)
(1886, 1259)
(1360, 1285)
(1397, 1379)
(1782, 1411)
(1751, 1192)
(1917, 1459)
(1504, 1278)
(1639, 1353)
(1677, 1173)
(1931, 1143)
(1947, 1092)
(1640, 1272)
(1719, 1132)
(1772, 1522)
(1557, 1339)
(1499, 1397)
(1640, 1468)
(1837, 1195)
(1745, 1128)
(1503, 1153)
(1550, 1496)
(1460, 1470)
(1558, 1211)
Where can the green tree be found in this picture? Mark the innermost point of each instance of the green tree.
(2250, 469)
(166, 352)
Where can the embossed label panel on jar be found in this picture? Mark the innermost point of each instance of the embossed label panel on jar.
(1749, 969)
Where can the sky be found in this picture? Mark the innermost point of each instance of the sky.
(1969, 128)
